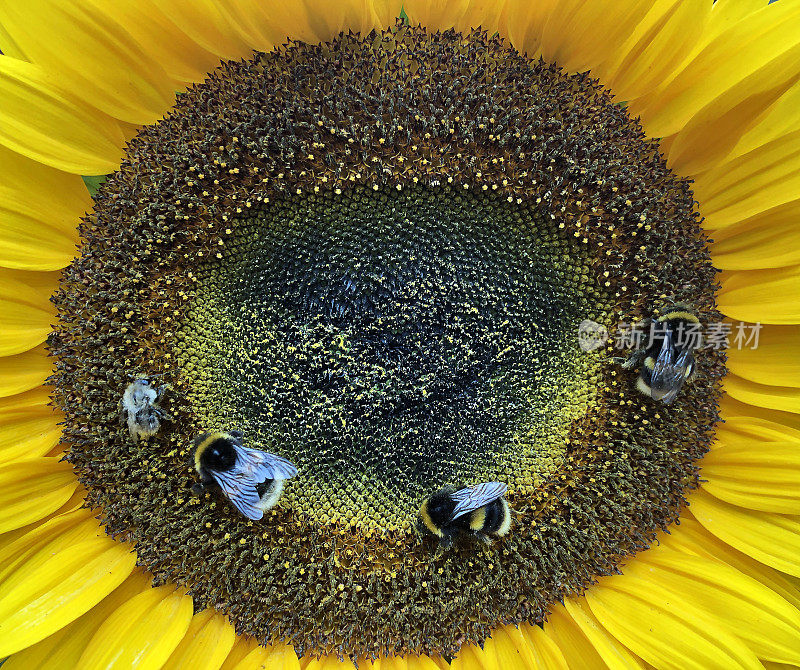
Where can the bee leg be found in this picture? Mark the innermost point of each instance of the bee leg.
(483, 537)
(446, 541)
(198, 489)
(635, 359)
(164, 415)
(161, 390)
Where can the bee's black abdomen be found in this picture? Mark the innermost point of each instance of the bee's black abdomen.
(495, 515)
(264, 486)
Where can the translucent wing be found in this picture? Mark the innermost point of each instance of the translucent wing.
(669, 374)
(474, 497)
(241, 492)
(255, 466)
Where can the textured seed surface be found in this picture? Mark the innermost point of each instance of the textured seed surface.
(372, 256)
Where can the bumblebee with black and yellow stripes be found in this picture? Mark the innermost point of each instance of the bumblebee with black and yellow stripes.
(251, 479)
(668, 360)
(480, 510)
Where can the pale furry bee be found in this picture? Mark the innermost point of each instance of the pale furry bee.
(666, 364)
(251, 479)
(141, 407)
(480, 510)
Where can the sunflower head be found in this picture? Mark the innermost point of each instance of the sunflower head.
(371, 257)
(404, 259)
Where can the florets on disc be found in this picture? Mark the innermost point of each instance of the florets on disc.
(372, 257)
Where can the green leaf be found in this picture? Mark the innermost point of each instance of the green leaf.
(94, 183)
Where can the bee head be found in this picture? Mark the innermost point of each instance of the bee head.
(219, 455)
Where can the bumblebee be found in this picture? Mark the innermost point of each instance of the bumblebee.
(480, 510)
(668, 361)
(251, 479)
(141, 407)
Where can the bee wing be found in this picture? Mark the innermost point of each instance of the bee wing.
(474, 497)
(256, 465)
(240, 491)
(669, 374)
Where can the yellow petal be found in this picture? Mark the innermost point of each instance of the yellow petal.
(28, 427)
(761, 618)
(51, 589)
(713, 132)
(776, 121)
(735, 410)
(615, 655)
(580, 34)
(57, 532)
(26, 319)
(692, 538)
(208, 23)
(748, 185)
(750, 57)
(43, 284)
(38, 233)
(326, 20)
(64, 648)
(578, 649)
(489, 15)
(107, 68)
(440, 15)
(401, 663)
(9, 47)
(27, 312)
(231, 29)
(773, 397)
(771, 538)
(507, 648)
(744, 431)
(713, 21)
(142, 633)
(265, 24)
(241, 648)
(656, 48)
(181, 57)
(24, 371)
(471, 657)
(33, 488)
(776, 361)
(663, 629)
(206, 644)
(45, 124)
(274, 657)
(426, 663)
(768, 239)
(545, 652)
(525, 24)
(766, 296)
(329, 663)
(728, 13)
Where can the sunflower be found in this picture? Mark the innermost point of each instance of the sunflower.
(364, 233)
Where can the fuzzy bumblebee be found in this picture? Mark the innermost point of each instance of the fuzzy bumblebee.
(141, 407)
(480, 510)
(251, 479)
(668, 360)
